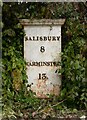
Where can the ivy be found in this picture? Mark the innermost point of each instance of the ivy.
(73, 75)
(17, 100)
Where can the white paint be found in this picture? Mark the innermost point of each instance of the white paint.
(32, 53)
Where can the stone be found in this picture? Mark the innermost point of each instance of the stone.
(42, 48)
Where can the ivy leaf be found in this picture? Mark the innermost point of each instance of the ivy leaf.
(9, 32)
(77, 66)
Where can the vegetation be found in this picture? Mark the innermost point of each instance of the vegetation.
(17, 101)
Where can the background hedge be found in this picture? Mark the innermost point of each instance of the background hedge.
(17, 101)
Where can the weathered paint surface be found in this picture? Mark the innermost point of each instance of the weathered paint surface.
(43, 78)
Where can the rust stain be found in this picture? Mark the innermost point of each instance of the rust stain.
(56, 89)
(42, 89)
(41, 95)
(41, 83)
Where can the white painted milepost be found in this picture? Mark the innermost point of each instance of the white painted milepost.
(42, 48)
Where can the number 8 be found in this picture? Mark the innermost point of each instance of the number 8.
(42, 49)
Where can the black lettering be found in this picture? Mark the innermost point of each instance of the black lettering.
(28, 64)
(37, 38)
(26, 38)
(31, 63)
(51, 63)
(54, 63)
(53, 38)
(33, 38)
(49, 38)
(58, 38)
(42, 76)
(41, 39)
(30, 38)
(45, 38)
(47, 63)
(42, 49)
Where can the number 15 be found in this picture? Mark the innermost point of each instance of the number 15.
(43, 76)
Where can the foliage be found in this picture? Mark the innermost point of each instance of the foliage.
(17, 101)
(73, 67)
(73, 71)
(74, 64)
